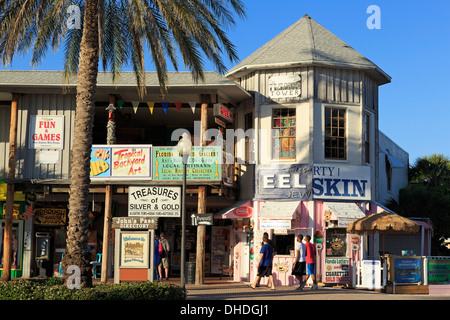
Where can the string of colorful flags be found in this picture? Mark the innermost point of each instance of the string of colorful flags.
(151, 105)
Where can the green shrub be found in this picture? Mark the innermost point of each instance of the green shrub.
(53, 289)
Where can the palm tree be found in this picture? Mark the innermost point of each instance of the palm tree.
(117, 33)
(432, 171)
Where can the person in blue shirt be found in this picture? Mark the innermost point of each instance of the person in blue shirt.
(265, 263)
(156, 260)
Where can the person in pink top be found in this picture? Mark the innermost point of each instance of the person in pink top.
(310, 261)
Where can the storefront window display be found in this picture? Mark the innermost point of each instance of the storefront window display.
(283, 244)
(16, 262)
(336, 242)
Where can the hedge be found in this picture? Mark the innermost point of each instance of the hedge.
(53, 289)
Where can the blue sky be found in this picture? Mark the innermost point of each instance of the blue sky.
(412, 46)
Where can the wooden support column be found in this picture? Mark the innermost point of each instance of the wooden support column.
(201, 208)
(106, 231)
(108, 199)
(7, 239)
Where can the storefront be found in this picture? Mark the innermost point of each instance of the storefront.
(284, 206)
(20, 241)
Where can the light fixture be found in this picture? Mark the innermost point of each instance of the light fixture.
(111, 108)
(184, 147)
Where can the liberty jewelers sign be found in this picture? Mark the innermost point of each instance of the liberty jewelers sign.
(305, 182)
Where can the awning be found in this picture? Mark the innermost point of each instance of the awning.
(345, 212)
(231, 213)
(394, 162)
(279, 210)
(384, 222)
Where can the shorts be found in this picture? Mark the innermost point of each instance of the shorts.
(299, 269)
(164, 263)
(310, 268)
(264, 271)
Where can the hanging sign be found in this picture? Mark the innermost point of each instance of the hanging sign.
(134, 223)
(154, 201)
(46, 132)
(223, 112)
(203, 219)
(243, 211)
(203, 164)
(50, 216)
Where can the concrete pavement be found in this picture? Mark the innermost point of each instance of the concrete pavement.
(224, 289)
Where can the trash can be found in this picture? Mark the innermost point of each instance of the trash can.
(190, 272)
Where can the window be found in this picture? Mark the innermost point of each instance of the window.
(283, 244)
(367, 137)
(283, 131)
(336, 243)
(248, 124)
(388, 173)
(335, 135)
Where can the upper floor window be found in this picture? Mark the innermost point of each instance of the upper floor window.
(335, 135)
(248, 124)
(367, 137)
(283, 131)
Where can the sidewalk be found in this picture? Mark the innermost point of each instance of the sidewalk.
(225, 289)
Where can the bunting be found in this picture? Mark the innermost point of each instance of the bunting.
(150, 106)
(192, 104)
(135, 105)
(165, 105)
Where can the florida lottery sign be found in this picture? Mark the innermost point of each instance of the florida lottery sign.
(119, 162)
(204, 164)
(154, 201)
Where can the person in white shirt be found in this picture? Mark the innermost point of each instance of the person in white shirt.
(299, 265)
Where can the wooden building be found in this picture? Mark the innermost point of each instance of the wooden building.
(301, 123)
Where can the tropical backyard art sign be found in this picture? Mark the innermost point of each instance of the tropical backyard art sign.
(127, 161)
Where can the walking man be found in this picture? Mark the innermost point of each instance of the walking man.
(299, 265)
(164, 256)
(310, 261)
(265, 264)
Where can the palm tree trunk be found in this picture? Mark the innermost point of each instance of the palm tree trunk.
(77, 230)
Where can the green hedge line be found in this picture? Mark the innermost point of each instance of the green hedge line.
(52, 289)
